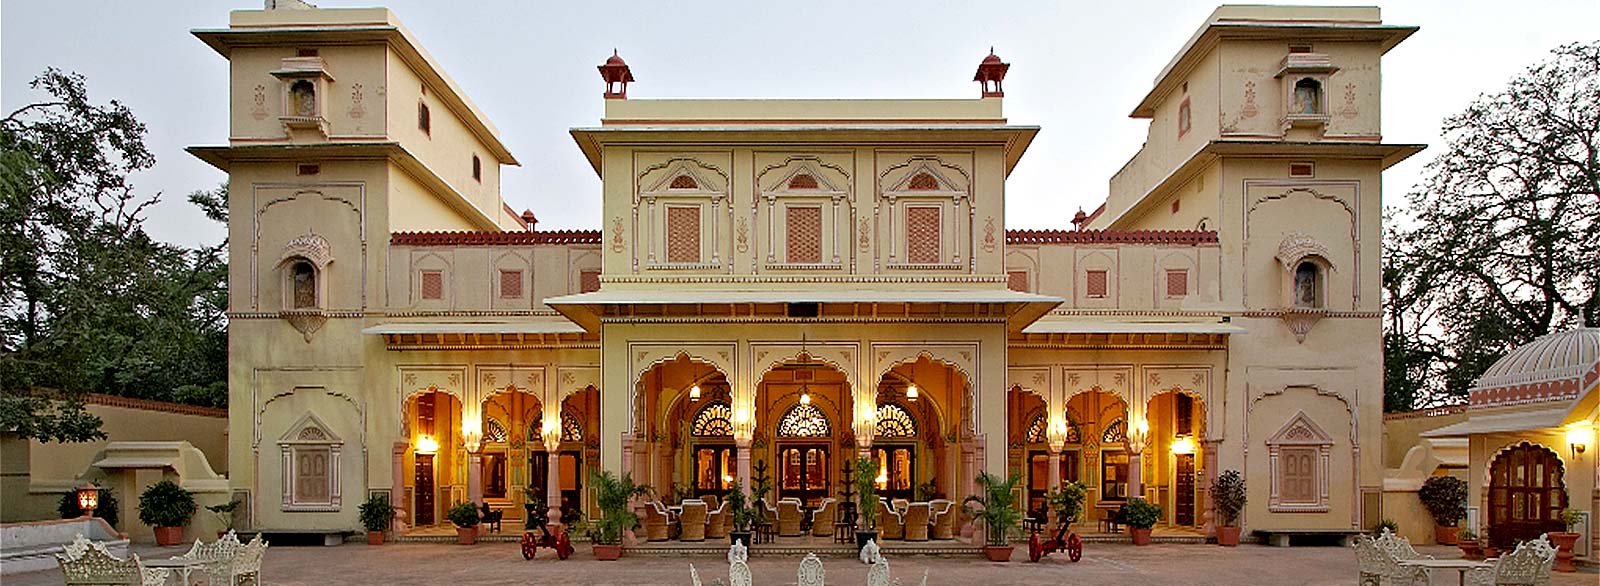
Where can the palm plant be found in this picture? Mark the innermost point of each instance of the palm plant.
(1000, 513)
(612, 493)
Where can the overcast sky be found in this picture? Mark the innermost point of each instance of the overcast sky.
(1077, 69)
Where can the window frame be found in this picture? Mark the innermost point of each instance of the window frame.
(1300, 435)
(309, 436)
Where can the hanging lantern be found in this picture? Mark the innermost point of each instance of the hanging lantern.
(694, 393)
(805, 396)
(427, 445)
(88, 498)
(911, 393)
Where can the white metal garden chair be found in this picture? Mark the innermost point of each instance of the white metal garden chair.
(94, 566)
(1527, 565)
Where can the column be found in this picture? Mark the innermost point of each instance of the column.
(1055, 468)
(1135, 472)
(475, 477)
(552, 490)
(397, 495)
(743, 447)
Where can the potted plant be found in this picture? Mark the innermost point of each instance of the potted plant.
(465, 518)
(1228, 494)
(1489, 550)
(612, 493)
(376, 515)
(1468, 542)
(1067, 502)
(744, 515)
(1564, 540)
(1445, 497)
(1389, 524)
(1141, 516)
(1000, 513)
(866, 501)
(224, 513)
(167, 507)
(107, 508)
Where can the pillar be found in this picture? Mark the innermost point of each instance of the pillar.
(626, 464)
(1208, 459)
(743, 447)
(1055, 468)
(475, 477)
(552, 489)
(397, 495)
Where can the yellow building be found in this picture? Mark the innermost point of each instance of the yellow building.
(779, 286)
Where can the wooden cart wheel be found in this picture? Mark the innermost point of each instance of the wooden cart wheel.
(529, 548)
(1035, 549)
(564, 547)
(1074, 547)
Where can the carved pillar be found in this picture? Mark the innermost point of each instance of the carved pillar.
(1135, 473)
(743, 447)
(1055, 468)
(1209, 461)
(627, 454)
(552, 491)
(475, 477)
(397, 495)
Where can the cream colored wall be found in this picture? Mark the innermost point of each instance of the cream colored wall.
(448, 148)
(472, 275)
(352, 103)
(1136, 274)
(698, 111)
(1199, 204)
(1401, 433)
(1164, 149)
(1351, 94)
(415, 208)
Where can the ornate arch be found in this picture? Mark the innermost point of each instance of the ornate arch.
(647, 357)
(804, 420)
(494, 431)
(713, 420)
(415, 381)
(1488, 470)
(840, 357)
(894, 421)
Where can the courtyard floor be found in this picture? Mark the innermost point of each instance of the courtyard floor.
(1102, 564)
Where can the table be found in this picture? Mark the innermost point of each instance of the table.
(1462, 566)
(181, 566)
(844, 532)
(765, 532)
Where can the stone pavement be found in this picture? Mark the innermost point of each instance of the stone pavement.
(502, 563)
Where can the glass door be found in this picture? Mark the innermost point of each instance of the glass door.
(804, 473)
(896, 471)
(715, 469)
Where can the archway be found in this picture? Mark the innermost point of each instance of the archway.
(916, 430)
(1028, 422)
(576, 453)
(504, 481)
(1105, 461)
(434, 458)
(1527, 491)
(686, 430)
(803, 415)
(1177, 442)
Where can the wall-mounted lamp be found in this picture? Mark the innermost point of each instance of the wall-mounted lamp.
(912, 393)
(1183, 445)
(1578, 438)
(427, 445)
(694, 393)
(88, 498)
(550, 431)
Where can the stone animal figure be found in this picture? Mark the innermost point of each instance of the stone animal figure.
(870, 553)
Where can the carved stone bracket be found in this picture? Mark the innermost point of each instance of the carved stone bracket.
(306, 322)
(1300, 321)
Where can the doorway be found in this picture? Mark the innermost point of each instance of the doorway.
(803, 473)
(423, 491)
(571, 482)
(715, 467)
(897, 471)
(1526, 494)
(1183, 491)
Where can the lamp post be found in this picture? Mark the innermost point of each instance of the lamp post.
(88, 498)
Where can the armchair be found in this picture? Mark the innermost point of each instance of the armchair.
(944, 514)
(692, 521)
(916, 522)
(789, 517)
(891, 525)
(822, 518)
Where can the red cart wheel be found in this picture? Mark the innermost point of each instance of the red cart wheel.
(564, 547)
(1074, 547)
(529, 547)
(1035, 549)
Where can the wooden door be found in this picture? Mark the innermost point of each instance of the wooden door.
(715, 469)
(1525, 495)
(899, 465)
(803, 473)
(1183, 491)
(423, 490)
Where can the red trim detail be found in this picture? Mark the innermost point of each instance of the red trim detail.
(149, 405)
(1190, 237)
(494, 238)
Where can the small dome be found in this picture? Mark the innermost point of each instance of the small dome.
(992, 58)
(1555, 357)
(615, 59)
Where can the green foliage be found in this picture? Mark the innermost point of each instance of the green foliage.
(1000, 514)
(1067, 501)
(224, 513)
(1466, 535)
(1571, 517)
(376, 514)
(1445, 497)
(1141, 514)
(612, 494)
(165, 504)
(927, 491)
(1228, 492)
(1392, 526)
(866, 493)
(106, 509)
(744, 516)
(1497, 245)
(463, 515)
(88, 301)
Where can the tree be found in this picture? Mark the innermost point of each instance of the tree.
(88, 301)
(1498, 246)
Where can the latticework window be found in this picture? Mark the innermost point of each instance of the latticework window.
(683, 233)
(923, 182)
(802, 181)
(432, 285)
(1116, 432)
(571, 428)
(895, 422)
(715, 419)
(494, 431)
(683, 182)
(1017, 281)
(1177, 283)
(804, 234)
(511, 284)
(804, 420)
(588, 281)
(1096, 284)
(1035, 433)
(305, 285)
(922, 234)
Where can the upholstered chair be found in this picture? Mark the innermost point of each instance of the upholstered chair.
(717, 522)
(692, 521)
(900, 505)
(916, 521)
(891, 525)
(655, 522)
(712, 502)
(822, 518)
(944, 513)
(789, 517)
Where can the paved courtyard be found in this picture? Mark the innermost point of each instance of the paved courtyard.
(502, 563)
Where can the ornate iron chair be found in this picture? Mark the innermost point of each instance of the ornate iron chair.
(246, 566)
(1527, 565)
(216, 557)
(738, 566)
(95, 566)
(811, 573)
(1378, 561)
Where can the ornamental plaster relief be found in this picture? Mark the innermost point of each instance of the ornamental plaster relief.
(571, 379)
(842, 356)
(284, 215)
(1116, 379)
(508, 379)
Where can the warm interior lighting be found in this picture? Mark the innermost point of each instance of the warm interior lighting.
(741, 416)
(1143, 425)
(883, 475)
(1183, 445)
(805, 397)
(694, 393)
(911, 393)
(88, 498)
(427, 445)
(1578, 438)
(727, 479)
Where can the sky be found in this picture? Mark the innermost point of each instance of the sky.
(1077, 70)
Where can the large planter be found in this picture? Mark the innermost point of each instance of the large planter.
(998, 553)
(1445, 534)
(607, 553)
(862, 537)
(1228, 536)
(374, 538)
(1470, 550)
(1140, 536)
(1564, 540)
(169, 535)
(740, 537)
(467, 535)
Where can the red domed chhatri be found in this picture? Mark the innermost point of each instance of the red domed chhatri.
(617, 76)
(992, 70)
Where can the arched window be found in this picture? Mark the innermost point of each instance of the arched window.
(303, 98)
(494, 431)
(1035, 433)
(424, 119)
(1307, 96)
(716, 419)
(1116, 432)
(804, 420)
(571, 428)
(895, 422)
(1307, 284)
(304, 280)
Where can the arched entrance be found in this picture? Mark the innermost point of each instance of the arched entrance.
(1177, 438)
(569, 460)
(436, 457)
(1527, 492)
(713, 457)
(685, 430)
(1106, 462)
(504, 481)
(914, 439)
(803, 428)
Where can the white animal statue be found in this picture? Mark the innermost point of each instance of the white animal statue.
(869, 554)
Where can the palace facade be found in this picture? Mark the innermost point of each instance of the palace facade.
(779, 286)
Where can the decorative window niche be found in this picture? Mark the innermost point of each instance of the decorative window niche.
(1299, 456)
(304, 264)
(682, 210)
(804, 209)
(1096, 283)
(1177, 283)
(588, 281)
(930, 217)
(1184, 118)
(432, 285)
(510, 284)
(310, 455)
(305, 82)
(1304, 78)
(1018, 281)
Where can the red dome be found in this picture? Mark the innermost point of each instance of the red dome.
(615, 59)
(992, 58)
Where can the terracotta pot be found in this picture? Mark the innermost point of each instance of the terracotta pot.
(607, 553)
(1564, 541)
(169, 535)
(1140, 536)
(1491, 552)
(1445, 534)
(1470, 550)
(1228, 536)
(374, 538)
(467, 535)
(998, 553)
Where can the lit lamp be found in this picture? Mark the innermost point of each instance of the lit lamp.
(911, 393)
(694, 394)
(883, 475)
(427, 445)
(1183, 445)
(472, 439)
(805, 396)
(1578, 438)
(1141, 432)
(550, 430)
(88, 498)
(1057, 435)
